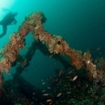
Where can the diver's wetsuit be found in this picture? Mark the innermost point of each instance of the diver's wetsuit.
(9, 19)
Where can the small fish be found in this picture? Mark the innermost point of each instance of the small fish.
(46, 94)
(49, 100)
(43, 83)
(48, 87)
(98, 49)
(67, 77)
(43, 91)
(33, 93)
(68, 92)
(70, 71)
(74, 78)
(60, 73)
(59, 94)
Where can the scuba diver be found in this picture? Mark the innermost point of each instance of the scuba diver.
(9, 19)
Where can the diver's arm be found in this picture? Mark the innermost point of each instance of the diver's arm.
(1, 35)
(14, 22)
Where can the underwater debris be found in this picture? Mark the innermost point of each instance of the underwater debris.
(55, 45)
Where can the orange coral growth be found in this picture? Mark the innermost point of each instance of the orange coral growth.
(23, 32)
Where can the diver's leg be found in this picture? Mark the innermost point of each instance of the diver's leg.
(4, 30)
